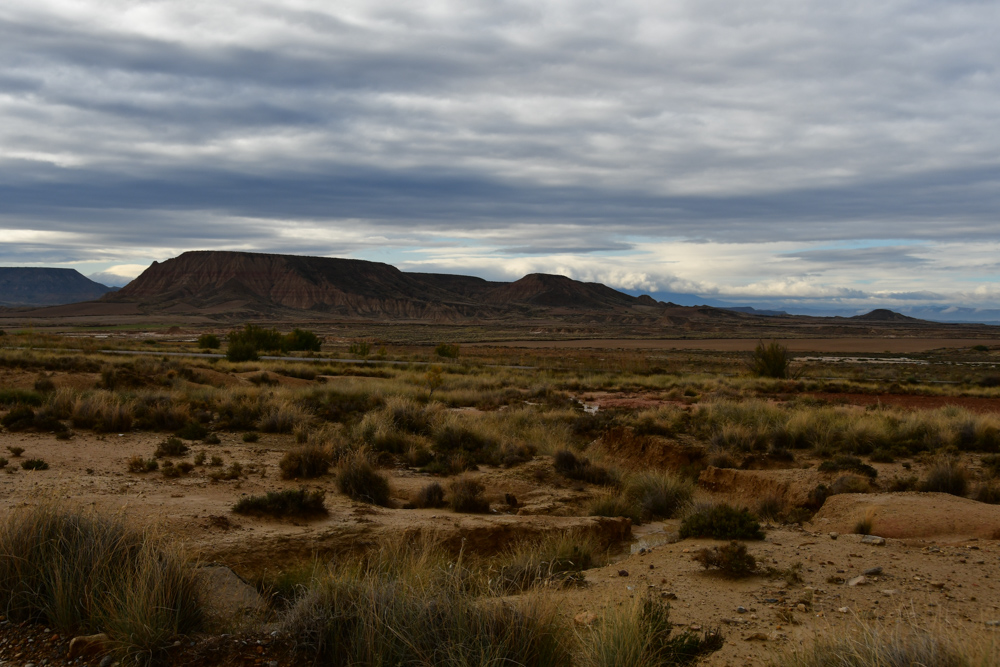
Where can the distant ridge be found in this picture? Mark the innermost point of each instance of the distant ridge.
(38, 286)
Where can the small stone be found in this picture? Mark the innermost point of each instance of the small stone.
(273, 663)
(106, 661)
(770, 600)
(873, 571)
(88, 645)
(844, 610)
(993, 624)
(834, 536)
(860, 580)
(585, 618)
(800, 607)
(622, 573)
(668, 596)
(873, 540)
(741, 610)
(695, 628)
(937, 584)
(756, 637)
(888, 592)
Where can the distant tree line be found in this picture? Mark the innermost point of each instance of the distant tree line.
(245, 344)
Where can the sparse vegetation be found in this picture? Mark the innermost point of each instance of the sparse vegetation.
(947, 476)
(721, 522)
(569, 464)
(209, 341)
(770, 360)
(732, 560)
(305, 462)
(466, 495)
(358, 479)
(83, 574)
(34, 464)
(431, 495)
(290, 503)
(171, 447)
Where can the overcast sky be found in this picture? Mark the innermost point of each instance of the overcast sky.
(841, 153)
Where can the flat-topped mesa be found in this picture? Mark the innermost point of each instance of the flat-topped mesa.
(356, 288)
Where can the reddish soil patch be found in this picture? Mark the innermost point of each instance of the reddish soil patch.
(973, 403)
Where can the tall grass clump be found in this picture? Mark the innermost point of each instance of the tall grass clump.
(358, 479)
(408, 605)
(83, 573)
(660, 495)
(946, 477)
(558, 558)
(901, 645)
(306, 462)
(770, 360)
(640, 635)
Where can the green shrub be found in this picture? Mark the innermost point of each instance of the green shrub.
(251, 437)
(770, 360)
(12, 396)
(192, 431)
(295, 503)
(305, 462)
(20, 418)
(946, 477)
(466, 496)
(241, 351)
(171, 447)
(3, 462)
(234, 471)
(358, 479)
(209, 341)
(732, 560)
(15, 450)
(850, 484)
(34, 464)
(447, 351)
(301, 340)
(44, 384)
(721, 522)
(82, 574)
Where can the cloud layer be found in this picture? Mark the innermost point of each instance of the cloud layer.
(814, 153)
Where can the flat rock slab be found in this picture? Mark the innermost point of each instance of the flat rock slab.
(910, 515)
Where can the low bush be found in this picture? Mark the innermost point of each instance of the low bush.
(358, 479)
(171, 447)
(732, 560)
(305, 462)
(82, 574)
(290, 503)
(192, 431)
(988, 492)
(3, 462)
(209, 342)
(251, 437)
(14, 396)
(34, 464)
(137, 464)
(15, 450)
(721, 522)
(234, 471)
(640, 635)
(569, 464)
(431, 495)
(946, 477)
(850, 484)
(466, 496)
(447, 351)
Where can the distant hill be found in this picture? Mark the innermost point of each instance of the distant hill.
(754, 311)
(35, 286)
(884, 315)
(239, 283)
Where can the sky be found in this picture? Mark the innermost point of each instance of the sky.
(781, 153)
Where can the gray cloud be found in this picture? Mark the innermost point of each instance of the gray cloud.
(133, 129)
